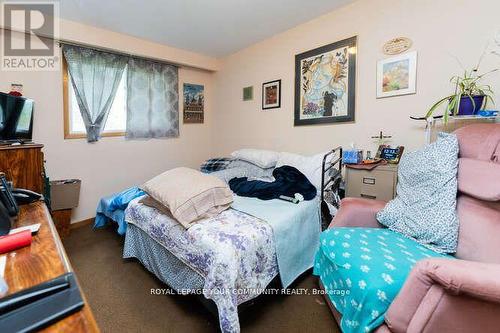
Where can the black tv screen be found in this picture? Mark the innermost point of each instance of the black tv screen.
(16, 118)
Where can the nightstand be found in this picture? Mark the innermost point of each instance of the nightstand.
(379, 183)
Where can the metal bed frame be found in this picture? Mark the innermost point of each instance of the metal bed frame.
(330, 181)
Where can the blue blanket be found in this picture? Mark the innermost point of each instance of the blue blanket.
(287, 181)
(363, 269)
(296, 229)
(113, 208)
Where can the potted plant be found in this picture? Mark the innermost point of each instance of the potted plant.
(470, 95)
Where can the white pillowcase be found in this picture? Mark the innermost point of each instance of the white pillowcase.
(262, 158)
(310, 166)
(189, 195)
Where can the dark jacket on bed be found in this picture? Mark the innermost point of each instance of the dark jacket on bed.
(288, 181)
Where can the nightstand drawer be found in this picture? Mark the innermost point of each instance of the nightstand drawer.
(377, 184)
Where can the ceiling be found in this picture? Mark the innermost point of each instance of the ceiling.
(211, 27)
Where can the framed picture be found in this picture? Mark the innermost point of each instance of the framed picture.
(248, 93)
(271, 95)
(325, 84)
(194, 103)
(397, 75)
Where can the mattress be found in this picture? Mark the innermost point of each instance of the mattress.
(232, 255)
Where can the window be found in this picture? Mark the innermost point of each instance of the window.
(74, 127)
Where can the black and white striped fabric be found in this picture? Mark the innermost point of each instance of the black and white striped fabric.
(215, 164)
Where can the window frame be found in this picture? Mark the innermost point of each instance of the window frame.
(66, 111)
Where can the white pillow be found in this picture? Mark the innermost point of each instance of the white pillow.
(310, 166)
(262, 158)
(189, 194)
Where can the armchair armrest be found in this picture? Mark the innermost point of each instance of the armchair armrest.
(357, 212)
(432, 280)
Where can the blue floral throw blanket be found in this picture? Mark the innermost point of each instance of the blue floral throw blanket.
(234, 252)
(362, 271)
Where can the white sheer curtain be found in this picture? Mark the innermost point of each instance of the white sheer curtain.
(152, 99)
(95, 76)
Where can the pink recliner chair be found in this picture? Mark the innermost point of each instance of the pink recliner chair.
(441, 295)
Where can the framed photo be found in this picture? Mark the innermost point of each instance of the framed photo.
(271, 95)
(248, 93)
(325, 81)
(194, 103)
(397, 75)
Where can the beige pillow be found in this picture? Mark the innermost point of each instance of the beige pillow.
(189, 194)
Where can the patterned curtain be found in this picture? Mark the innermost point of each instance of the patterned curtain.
(95, 76)
(152, 100)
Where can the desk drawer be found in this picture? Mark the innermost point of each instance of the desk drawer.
(376, 184)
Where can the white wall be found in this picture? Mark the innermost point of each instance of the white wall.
(440, 30)
(112, 164)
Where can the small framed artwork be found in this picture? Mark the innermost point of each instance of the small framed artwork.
(397, 75)
(194, 103)
(325, 81)
(248, 93)
(271, 95)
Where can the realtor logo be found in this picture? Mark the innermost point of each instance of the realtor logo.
(28, 33)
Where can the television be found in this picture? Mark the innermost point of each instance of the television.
(16, 118)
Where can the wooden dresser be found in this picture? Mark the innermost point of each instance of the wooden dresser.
(23, 165)
(44, 260)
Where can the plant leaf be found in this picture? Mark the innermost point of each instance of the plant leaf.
(436, 105)
(457, 106)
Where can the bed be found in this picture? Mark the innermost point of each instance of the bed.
(230, 259)
(206, 256)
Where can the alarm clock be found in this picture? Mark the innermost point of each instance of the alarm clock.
(390, 154)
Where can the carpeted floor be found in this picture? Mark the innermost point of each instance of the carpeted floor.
(119, 292)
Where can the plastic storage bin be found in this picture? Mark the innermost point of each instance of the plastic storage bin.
(64, 194)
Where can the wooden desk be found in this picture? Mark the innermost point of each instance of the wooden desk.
(44, 260)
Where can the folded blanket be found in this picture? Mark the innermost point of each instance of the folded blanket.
(288, 181)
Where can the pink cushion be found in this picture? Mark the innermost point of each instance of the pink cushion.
(478, 183)
(479, 234)
(358, 212)
(479, 179)
(480, 141)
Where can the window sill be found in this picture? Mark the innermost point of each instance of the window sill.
(70, 136)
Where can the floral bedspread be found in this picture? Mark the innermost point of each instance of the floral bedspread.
(233, 251)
